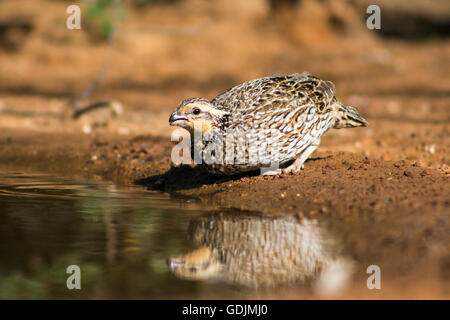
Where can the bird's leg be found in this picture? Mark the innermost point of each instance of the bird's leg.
(295, 167)
(298, 163)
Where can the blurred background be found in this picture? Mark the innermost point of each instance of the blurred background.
(148, 55)
(142, 57)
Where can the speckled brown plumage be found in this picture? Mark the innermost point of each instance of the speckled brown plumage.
(288, 114)
(257, 251)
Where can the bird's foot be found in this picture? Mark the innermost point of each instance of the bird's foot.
(295, 167)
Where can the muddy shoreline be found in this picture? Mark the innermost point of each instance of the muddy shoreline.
(341, 183)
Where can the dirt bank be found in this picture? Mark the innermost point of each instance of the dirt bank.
(395, 171)
(340, 183)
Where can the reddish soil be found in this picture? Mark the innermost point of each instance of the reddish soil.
(395, 170)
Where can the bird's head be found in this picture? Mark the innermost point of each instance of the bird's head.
(196, 114)
(199, 264)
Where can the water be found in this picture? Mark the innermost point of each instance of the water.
(131, 243)
(121, 239)
(134, 243)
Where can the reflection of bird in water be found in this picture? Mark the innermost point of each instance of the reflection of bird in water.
(278, 118)
(255, 251)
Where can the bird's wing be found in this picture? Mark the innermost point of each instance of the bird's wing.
(272, 93)
(292, 111)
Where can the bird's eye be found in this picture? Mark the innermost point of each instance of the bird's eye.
(196, 111)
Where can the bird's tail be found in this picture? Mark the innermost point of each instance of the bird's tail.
(348, 117)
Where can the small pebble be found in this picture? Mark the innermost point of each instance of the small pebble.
(123, 131)
(87, 129)
(430, 148)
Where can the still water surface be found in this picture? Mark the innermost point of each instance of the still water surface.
(134, 243)
(121, 239)
(131, 243)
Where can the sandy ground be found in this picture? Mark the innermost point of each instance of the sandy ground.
(396, 169)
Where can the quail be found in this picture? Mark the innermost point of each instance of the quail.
(259, 251)
(267, 123)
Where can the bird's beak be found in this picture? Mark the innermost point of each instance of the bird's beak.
(177, 120)
(175, 262)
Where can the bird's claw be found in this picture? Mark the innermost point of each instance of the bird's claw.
(293, 168)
